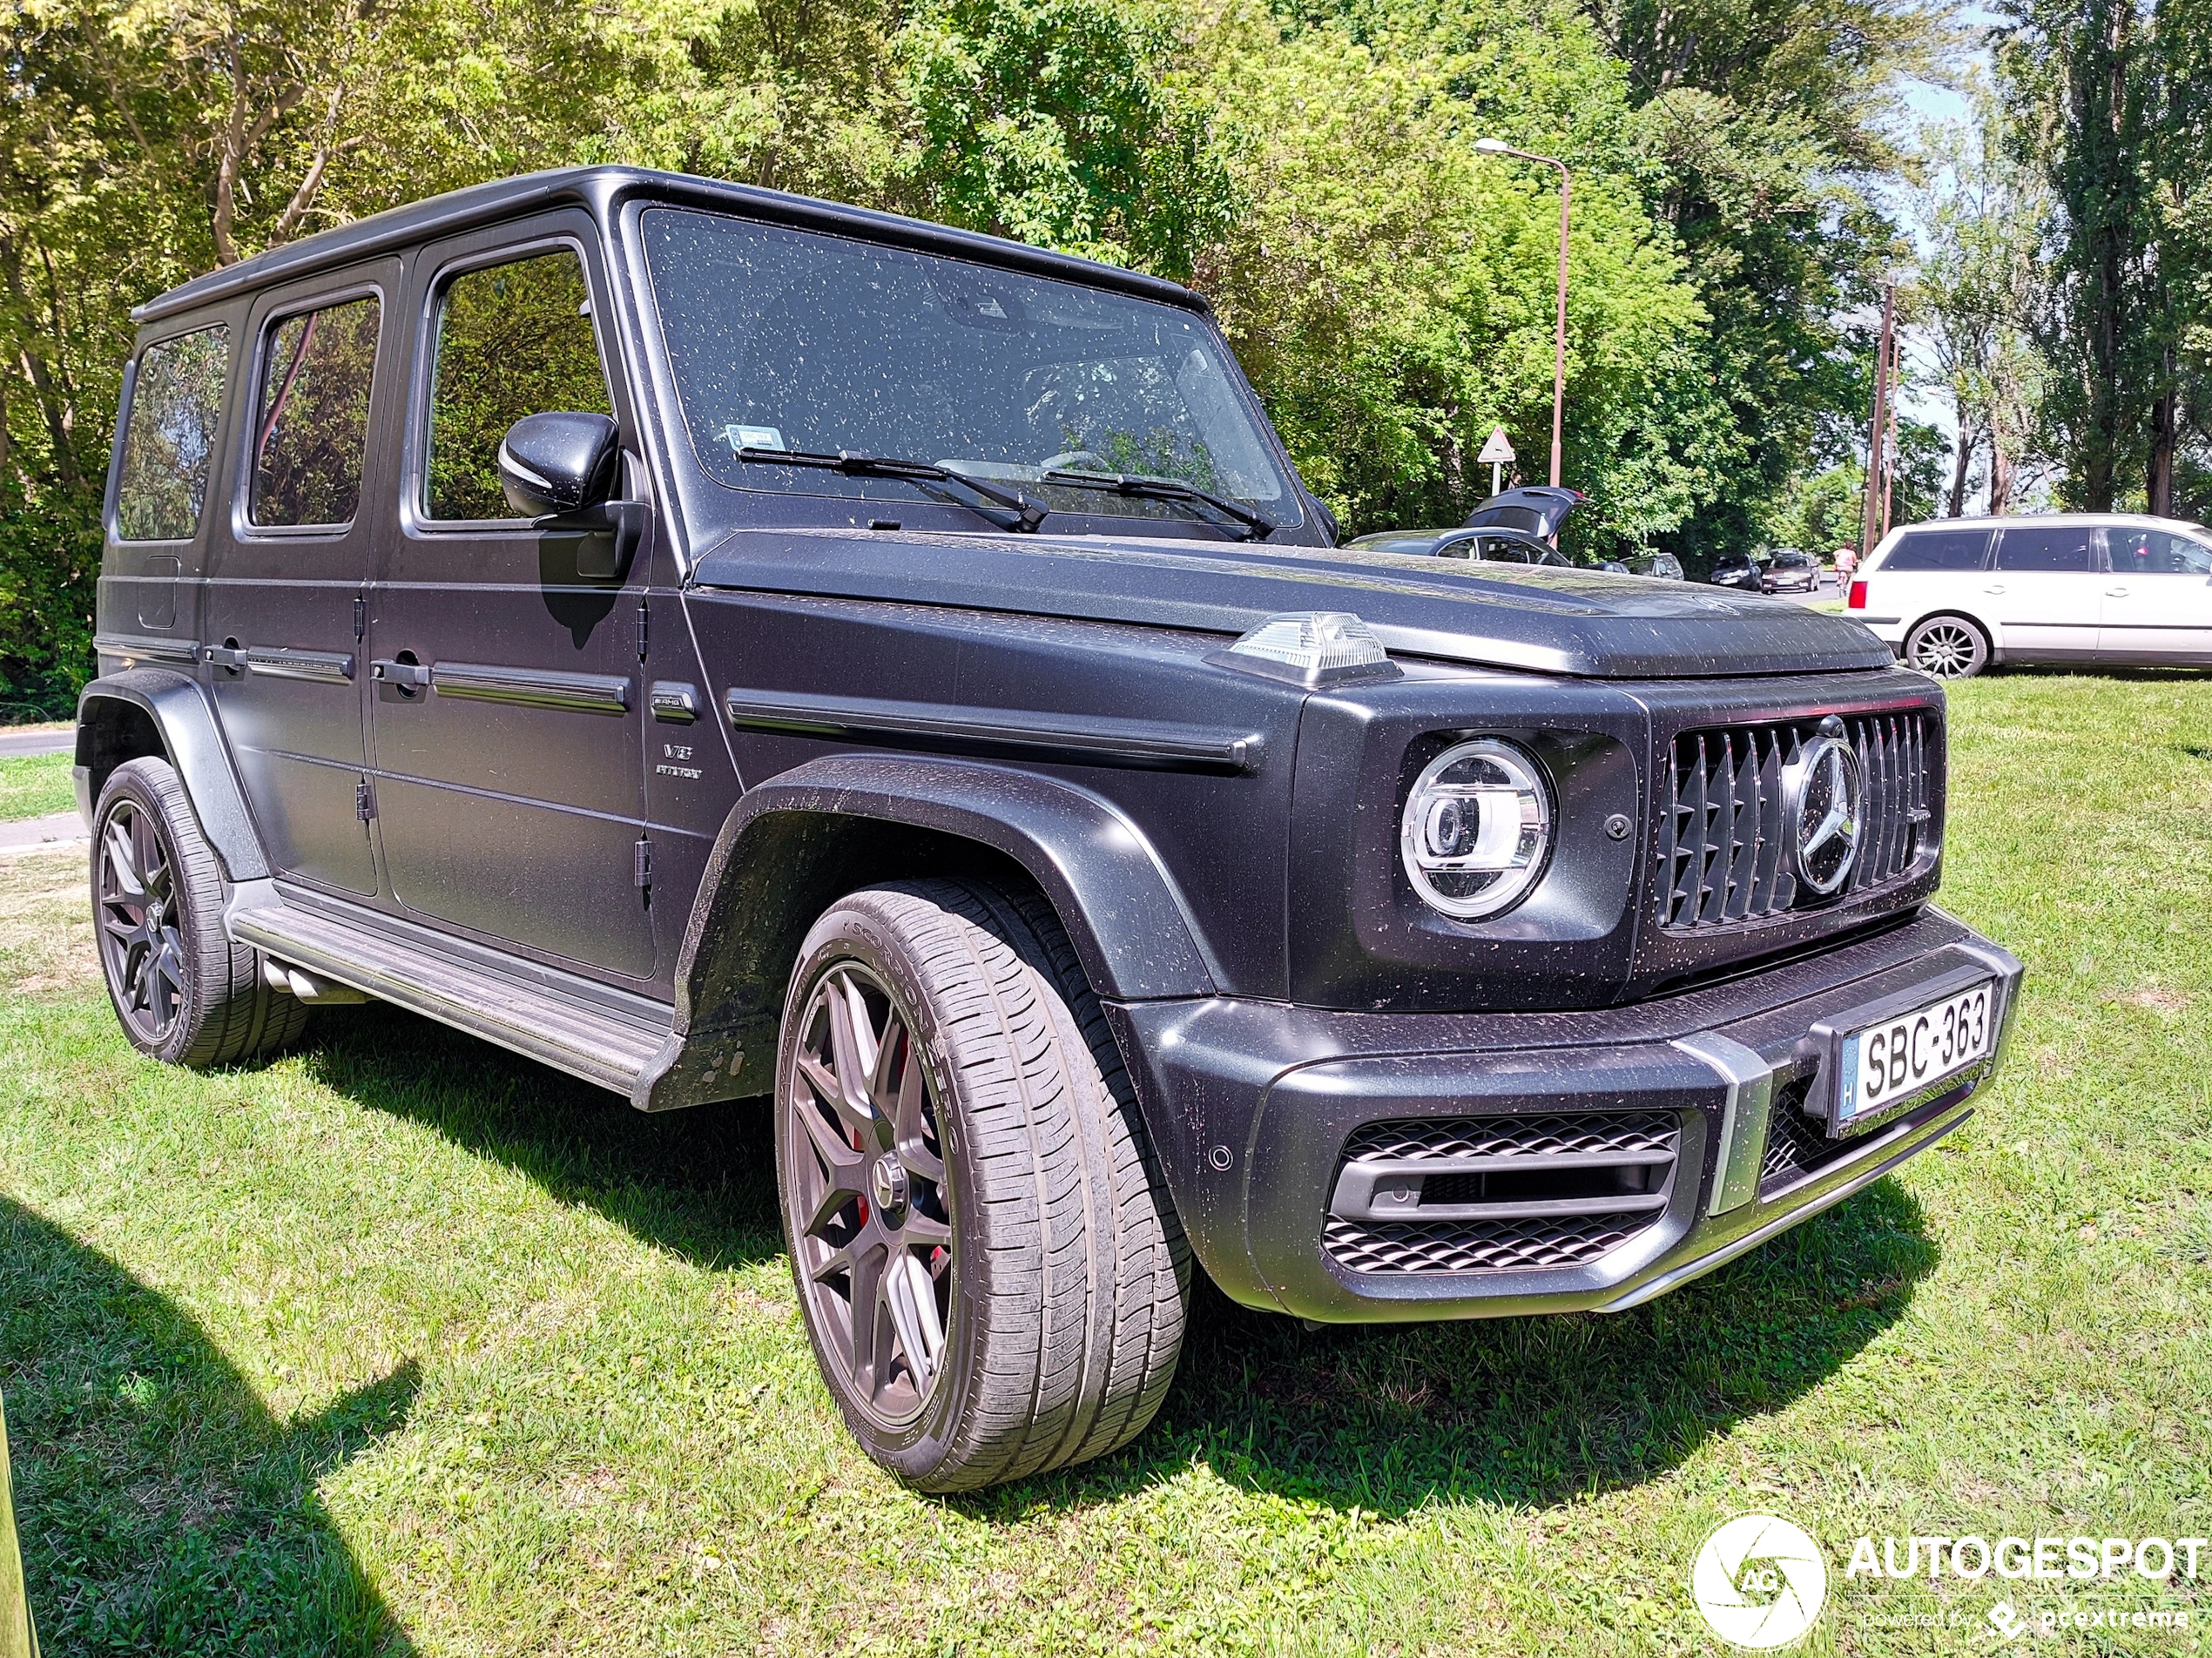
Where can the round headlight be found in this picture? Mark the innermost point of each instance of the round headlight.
(1478, 823)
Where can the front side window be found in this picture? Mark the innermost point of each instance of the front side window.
(512, 340)
(311, 429)
(169, 436)
(2060, 547)
(791, 340)
(1939, 550)
(2153, 552)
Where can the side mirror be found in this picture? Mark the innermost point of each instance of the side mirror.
(559, 463)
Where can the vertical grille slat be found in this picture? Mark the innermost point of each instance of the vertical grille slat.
(1726, 857)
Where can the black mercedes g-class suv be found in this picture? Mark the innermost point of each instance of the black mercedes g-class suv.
(725, 645)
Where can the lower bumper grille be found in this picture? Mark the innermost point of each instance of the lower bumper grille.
(1499, 1194)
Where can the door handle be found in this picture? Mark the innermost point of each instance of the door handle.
(228, 656)
(2115, 592)
(1999, 588)
(408, 676)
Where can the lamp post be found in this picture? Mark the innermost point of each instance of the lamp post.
(1499, 147)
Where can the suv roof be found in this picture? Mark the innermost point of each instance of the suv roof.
(1930, 526)
(603, 190)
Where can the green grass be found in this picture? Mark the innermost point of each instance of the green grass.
(35, 785)
(401, 1342)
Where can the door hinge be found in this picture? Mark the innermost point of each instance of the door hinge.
(642, 870)
(364, 801)
(645, 625)
(361, 614)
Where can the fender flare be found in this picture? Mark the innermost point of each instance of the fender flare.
(186, 722)
(1126, 920)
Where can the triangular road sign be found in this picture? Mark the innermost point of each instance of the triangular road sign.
(1497, 450)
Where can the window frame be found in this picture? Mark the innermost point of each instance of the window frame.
(2099, 564)
(274, 316)
(415, 473)
(2110, 530)
(112, 504)
(1939, 526)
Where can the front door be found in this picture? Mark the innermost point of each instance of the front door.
(285, 597)
(2157, 598)
(504, 717)
(2046, 589)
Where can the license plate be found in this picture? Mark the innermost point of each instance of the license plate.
(1908, 1053)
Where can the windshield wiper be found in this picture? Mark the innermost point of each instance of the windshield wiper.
(1250, 525)
(1027, 514)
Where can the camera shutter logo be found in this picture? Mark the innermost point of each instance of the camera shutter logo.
(1821, 793)
(1760, 1581)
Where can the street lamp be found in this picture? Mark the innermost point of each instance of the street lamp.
(1499, 147)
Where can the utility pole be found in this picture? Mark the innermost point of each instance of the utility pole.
(1499, 147)
(1877, 510)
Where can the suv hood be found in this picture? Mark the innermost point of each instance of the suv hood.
(1528, 617)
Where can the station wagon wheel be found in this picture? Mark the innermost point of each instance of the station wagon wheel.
(1947, 647)
(992, 1275)
(873, 1221)
(140, 941)
(183, 991)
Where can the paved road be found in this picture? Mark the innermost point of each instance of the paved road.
(37, 834)
(37, 742)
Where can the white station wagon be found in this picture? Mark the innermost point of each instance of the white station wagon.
(1955, 594)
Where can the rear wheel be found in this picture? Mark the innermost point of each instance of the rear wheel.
(1947, 647)
(184, 992)
(992, 1276)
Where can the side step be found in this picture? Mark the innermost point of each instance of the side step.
(617, 1041)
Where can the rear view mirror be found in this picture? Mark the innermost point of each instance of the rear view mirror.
(559, 463)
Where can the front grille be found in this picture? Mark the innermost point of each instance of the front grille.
(1724, 845)
(1499, 1194)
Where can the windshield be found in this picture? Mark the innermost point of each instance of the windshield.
(790, 340)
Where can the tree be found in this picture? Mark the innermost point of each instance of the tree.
(1979, 296)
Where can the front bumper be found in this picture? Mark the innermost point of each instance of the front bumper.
(1253, 1106)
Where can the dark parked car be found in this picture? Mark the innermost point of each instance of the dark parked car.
(1738, 570)
(723, 645)
(1537, 510)
(1485, 546)
(1790, 571)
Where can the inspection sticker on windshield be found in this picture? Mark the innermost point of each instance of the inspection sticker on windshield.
(753, 437)
(1905, 1054)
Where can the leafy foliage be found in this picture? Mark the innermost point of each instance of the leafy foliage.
(1309, 167)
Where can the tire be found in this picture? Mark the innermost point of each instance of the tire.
(1947, 647)
(972, 1170)
(183, 993)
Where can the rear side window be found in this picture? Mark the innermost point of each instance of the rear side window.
(2153, 552)
(169, 436)
(512, 339)
(311, 429)
(1939, 550)
(2053, 547)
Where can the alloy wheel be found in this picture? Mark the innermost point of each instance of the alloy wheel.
(1945, 649)
(141, 934)
(871, 1210)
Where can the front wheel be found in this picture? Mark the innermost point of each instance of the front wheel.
(1947, 647)
(993, 1278)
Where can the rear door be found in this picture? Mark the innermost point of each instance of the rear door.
(505, 715)
(2157, 598)
(2046, 589)
(283, 608)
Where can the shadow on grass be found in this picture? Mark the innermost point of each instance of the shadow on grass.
(701, 1183)
(1524, 1411)
(1519, 1411)
(161, 1507)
